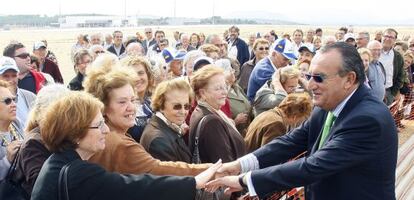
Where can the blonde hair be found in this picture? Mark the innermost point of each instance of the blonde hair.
(287, 73)
(297, 105)
(100, 83)
(365, 51)
(67, 120)
(202, 76)
(4, 84)
(158, 98)
(260, 41)
(209, 48)
(133, 61)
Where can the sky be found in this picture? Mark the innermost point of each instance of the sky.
(302, 11)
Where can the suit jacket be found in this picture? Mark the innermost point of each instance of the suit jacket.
(76, 83)
(217, 139)
(112, 50)
(164, 143)
(124, 155)
(398, 73)
(243, 54)
(146, 44)
(91, 181)
(53, 69)
(357, 162)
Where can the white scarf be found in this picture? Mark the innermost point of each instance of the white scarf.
(173, 126)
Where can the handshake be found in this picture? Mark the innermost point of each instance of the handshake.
(225, 175)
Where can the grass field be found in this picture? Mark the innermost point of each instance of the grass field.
(61, 40)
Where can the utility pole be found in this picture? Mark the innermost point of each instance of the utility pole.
(213, 18)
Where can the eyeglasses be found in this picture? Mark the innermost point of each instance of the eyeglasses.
(23, 55)
(220, 88)
(98, 52)
(9, 100)
(148, 32)
(219, 45)
(319, 78)
(85, 63)
(263, 48)
(178, 106)
(100, 126)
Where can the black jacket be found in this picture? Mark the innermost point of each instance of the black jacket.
(91, 181)
(112, 50)
(164, 143)
(76, 83)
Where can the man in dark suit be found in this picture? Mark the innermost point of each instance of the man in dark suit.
(149, 40)
(117, 47)
(237, 47)
(350, 140)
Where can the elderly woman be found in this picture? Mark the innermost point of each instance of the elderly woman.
(143, 87)
(163, 136)
(33, 152)
(239, 104)
(82, 60)
(260, 50)
(10, 131)
(74, 129)
(122, 153)
(273, 123)
(218, 136)
(284, 82)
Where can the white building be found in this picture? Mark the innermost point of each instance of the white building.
(96, 21)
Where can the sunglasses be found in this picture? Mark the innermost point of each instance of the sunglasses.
(9, 100)
(319, 78)
(178, 106)
(148, 32)
(23, 55)
(263, 48)
(98, 52)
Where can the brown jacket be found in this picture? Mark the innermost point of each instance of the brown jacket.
(217, 138)
(122, 154)
(264, 128)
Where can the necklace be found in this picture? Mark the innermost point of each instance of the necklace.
(13, 135)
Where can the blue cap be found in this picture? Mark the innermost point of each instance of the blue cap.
(171, 54)
(285, 47)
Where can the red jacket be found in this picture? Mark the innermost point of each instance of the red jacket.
(39, 79)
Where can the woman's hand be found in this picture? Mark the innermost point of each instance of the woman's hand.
(205, 176)
(241, 118)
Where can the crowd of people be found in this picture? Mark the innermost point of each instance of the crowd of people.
(147, 114)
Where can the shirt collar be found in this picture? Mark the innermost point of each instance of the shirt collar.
(341, 106)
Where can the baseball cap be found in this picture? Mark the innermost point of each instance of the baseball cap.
(285, 47)
(349, 36)
(170, 54)
(201, 62)
(307, 46)
(7, 63)
(39, 44)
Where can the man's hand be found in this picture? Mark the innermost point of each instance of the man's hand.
(205, 176)
(230, 168)
(11, 150)
(230, 182)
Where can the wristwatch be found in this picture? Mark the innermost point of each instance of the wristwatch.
(242, 181)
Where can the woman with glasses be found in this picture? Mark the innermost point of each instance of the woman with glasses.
(163, 136)
(96, 50)
(74, 129)
(218, 136)
(260, 51)
(143, 88)
(10, 131)
(82, 60)
(116, 89)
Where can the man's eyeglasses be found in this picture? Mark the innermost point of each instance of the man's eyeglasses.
(23, 55)
(389, 37)
(100, 126)
(148, 32)
(9, 100)
(263, 48)
(319, 78)
(178, 106)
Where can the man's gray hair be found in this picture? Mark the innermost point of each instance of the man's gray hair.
(210, 38)
(365, 34)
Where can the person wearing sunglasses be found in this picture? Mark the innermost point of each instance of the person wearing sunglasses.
(163, 136)
(73, 138)
(9, 72)
(29, 78)
(350, 140)
(260, 50)
(82, 60)
(96, 50)
(10, 131)
(116, 89)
